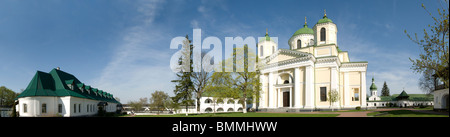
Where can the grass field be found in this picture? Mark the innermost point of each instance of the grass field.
(250, 114)
(403, 113)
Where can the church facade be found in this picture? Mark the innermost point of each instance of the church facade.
(301, 77)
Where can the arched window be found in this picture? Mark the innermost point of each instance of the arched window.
(299, 44)
(207, 101)
(322, 34)
(239, 109)
(230, 110)
(311, 42)
(220, 110)
(208, 110)
(286, 82)
(261, 50)
(273, 49)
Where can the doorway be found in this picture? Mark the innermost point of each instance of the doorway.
(286, 99)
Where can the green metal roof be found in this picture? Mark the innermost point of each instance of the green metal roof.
(412, 97)
(304, 30)
(403, 95)
(325, 19)
(56, 83)
(266, 38)
(373, 86)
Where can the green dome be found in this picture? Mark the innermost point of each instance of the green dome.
(324, 20)
(373, 87)
(304, 30)
(267, 38)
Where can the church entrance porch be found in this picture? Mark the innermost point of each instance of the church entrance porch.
(284, 94)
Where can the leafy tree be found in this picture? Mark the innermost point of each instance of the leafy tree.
(138, 105)
(158, 100)
(7, 97)
(333, 96)
(199, 80)
(433, 61)
(172, 105)
(385, 90)
(238, 85)
(184, 86)
(220, 86)
(246, 82)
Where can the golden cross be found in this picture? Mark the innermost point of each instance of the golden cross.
(305, 20)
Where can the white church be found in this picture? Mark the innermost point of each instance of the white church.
(300, 78)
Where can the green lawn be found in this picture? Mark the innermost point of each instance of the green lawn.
(352, 110)
(403, 113)
(250, 114)
(426, 108)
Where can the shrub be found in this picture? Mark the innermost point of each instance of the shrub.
(358, 108)
(422, 106)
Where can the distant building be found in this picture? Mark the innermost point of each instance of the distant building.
(373, 90)
(398, 100)
(58, 93)
(210, 105)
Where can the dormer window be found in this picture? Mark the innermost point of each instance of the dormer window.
(70, 84)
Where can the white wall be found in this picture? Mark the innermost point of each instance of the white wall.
(215, 106)
(84, 107)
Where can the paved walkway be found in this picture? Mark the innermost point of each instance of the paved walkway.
(364, 113)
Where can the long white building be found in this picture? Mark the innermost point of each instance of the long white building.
(58, 93)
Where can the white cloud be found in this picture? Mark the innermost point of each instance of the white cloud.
(194, 24)
(388, 64)
(138, 67)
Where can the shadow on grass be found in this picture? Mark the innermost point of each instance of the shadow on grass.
(250, 114)
(403, 113)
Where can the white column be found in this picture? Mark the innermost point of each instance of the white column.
(279, 102)
(297, 87)
(346, 90)
(290, 96)
(309, 87)
(262, 98)
(334, 83)
(363, 89)
(271, 90)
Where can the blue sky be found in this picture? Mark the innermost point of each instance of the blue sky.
(122, 46)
